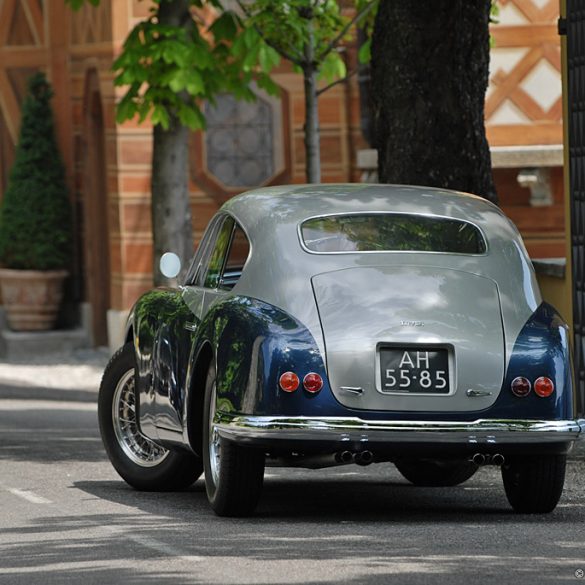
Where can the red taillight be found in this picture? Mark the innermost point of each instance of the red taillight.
(312, 382)
(544, 386)
(521, 386)
(289, 381)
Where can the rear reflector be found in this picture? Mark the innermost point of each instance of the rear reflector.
(544, 386)
(289, 381)
(312, 382)
(521, 386)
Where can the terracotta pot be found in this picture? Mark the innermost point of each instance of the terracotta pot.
(32, 297)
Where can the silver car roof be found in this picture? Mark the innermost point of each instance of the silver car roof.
(295, 203)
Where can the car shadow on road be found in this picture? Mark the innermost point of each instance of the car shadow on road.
(338, 498)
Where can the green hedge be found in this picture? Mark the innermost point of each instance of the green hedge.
(35, 216)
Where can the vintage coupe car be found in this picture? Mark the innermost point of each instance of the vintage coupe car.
(334, 324)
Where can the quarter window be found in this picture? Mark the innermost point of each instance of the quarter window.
(200, 259)
(237, 256)
(224, 261)
(218, 254)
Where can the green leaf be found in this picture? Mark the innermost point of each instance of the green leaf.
(365, 52)
(251, 58)
(178, 80)
(265, 82)
(333, 67)
(268, 58)
(225, 27)
(250, 38)
(191, 116)
(200, 56)
(126, 109)
(195, 84)
(160, 116)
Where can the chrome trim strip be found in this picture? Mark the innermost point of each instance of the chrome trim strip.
(352, 389)
(475, 393)
(481, 431)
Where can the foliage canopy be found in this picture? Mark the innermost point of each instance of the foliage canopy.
(170, 70)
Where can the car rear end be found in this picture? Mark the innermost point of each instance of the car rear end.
(437, 353)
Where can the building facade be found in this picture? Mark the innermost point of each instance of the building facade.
(247, 145)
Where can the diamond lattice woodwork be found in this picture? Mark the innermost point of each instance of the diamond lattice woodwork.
(22, 52)
(92, 24)
(524, 103)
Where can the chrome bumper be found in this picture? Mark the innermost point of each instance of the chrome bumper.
(338, 429)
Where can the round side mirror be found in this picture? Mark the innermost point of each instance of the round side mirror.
(170, 264)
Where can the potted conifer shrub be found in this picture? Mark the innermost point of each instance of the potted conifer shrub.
(35, 219)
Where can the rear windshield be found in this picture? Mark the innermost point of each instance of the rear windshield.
(390, 232)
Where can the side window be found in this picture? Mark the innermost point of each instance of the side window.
(200, 259)
(218, 254)
(237, 256)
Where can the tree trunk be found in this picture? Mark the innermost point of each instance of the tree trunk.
(430, 65)
(312, 140)
(171, 211)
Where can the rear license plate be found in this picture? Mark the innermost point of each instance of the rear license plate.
(414, 371)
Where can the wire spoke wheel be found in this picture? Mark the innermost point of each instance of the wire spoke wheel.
(233, 473)
(214, 440)
(138, 448)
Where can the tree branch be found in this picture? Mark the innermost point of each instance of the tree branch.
(297, 60)
(357, 17)
(336, 82)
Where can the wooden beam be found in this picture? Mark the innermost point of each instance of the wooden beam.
(58, 28)
(508, 84)
(524, 134)
(35, 20)
(24, 56)
(103, 49)
(524, 35)
(6, 15)
(535, 14)
(9, 106)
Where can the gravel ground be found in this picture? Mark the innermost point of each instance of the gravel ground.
(78, 370)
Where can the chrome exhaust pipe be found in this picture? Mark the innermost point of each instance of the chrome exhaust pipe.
(479, 459)
(498, 459)
(364, 457)
(344, 457)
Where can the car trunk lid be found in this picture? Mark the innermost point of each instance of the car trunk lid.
(384, 327)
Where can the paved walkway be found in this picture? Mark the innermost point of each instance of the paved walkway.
(73, 376)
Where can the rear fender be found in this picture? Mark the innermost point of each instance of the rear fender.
(253, 343)
(541, 349)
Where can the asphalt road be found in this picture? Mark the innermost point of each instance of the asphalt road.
(66, 517)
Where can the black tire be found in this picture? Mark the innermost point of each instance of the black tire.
(128, 449)
(234, 481)
(535, 485)
(439, 473)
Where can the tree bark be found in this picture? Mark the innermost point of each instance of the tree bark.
(430, 66)
(171, 210)
(312, 139)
